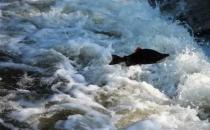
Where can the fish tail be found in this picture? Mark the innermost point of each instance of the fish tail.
(116, 59)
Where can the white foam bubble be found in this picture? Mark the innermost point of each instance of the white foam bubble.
(195, 90)
(145, 125)
(175, 118)
(25, 114)
(7, 125)
(85, 122)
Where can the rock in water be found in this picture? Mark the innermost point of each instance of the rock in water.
(194, 12)
(198, 17)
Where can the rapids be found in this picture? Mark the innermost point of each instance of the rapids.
(54, 73)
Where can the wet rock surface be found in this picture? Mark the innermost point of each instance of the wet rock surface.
(198, 17)
(195, 13)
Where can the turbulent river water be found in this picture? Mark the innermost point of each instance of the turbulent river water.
(54, 72)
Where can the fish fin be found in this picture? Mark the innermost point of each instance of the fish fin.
(138, 49)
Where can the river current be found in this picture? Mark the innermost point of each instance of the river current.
(54, 72)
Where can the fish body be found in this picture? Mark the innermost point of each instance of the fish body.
(140, 56)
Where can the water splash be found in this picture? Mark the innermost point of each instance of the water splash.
(69, 44)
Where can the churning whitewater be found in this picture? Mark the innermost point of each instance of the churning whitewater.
(55, 73)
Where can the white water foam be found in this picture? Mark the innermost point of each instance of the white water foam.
(72, 40)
